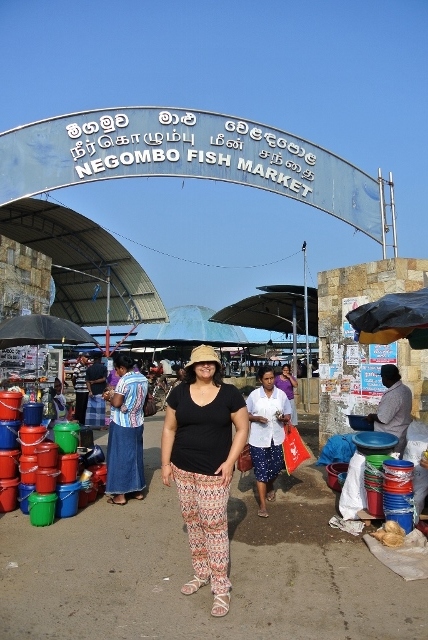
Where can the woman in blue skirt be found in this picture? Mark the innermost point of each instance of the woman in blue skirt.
(125, 468)
(269, 410)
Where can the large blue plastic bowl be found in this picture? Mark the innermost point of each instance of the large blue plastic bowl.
(374, 440)
(360, 423)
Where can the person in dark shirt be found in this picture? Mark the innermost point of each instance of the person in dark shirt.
(96, 376)
(199, 454)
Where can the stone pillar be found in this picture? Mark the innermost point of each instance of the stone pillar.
(340, 392)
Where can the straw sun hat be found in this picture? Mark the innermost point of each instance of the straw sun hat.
(203, 353)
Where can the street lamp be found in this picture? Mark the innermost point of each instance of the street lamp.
(107, 282)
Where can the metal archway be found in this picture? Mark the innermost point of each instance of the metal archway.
(124, 142)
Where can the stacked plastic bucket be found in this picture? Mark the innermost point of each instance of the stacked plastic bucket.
(10, 421)
(44, 465)
(373, 483)
(40, 475)
(398, 503)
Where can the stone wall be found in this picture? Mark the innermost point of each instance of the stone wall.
(24, 279)
(341, 357)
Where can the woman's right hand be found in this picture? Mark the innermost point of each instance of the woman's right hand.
(167, 475)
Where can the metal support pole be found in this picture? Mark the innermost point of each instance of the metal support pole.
(382, 212)
(393, 218)
(108, 314)
(307, 399)
(294, 338)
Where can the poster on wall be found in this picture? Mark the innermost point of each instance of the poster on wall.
(329, 374)
(383, 353)
(371, 382)
(349, 304)
(352, 356)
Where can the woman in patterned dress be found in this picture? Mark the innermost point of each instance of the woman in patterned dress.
(269, 410)
(199, 454)
(125, 468)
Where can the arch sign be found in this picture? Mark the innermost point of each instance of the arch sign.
(174, 142)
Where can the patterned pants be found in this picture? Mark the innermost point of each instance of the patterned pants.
(203, 502)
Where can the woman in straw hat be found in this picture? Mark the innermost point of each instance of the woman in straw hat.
(199, 454)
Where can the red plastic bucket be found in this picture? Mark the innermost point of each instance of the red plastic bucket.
(10, 405)
(47, 455)
(333, 471)
(83, 499)
(46, 480)
(93, 493)
(99, 477)
(375, 504)
(394, 487)
(8, 495)
(9, 464)
(30, 437)
(68, 464)
(27, 469)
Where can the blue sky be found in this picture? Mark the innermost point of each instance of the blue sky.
(349, 76)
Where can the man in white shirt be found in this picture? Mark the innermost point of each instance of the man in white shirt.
(394, 411)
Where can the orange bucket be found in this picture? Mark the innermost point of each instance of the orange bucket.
(30, 437)
(9, 464)
(8, 495)
(93, 493)
(47, 455)
(83, 499)
(27, 469)
(99, 477)
(68, 465)
(10, 405)
(46, 480)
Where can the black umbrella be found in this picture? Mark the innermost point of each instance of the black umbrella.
(41, 329)
(394, 316)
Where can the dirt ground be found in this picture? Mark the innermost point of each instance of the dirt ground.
(116, 571)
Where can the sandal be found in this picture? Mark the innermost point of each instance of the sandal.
(194, 585)
(271, 496)
(113, 501)
(137, 495)
(221, 605)
(262, 513)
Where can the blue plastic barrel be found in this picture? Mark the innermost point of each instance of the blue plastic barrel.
(68, 499)
(24, 491)
(400, 508)
(9, 434)
(32, 413)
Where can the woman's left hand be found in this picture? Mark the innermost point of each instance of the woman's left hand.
(226, 471)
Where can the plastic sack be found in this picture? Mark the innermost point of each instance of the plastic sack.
(417, 443)
(353, 497)
(338, 448)
(295, 451)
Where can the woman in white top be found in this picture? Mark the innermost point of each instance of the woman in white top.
(269, 410)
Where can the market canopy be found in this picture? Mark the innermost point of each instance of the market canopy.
(188, 324)
(74, 241)
(274, 310)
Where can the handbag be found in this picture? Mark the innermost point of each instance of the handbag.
(295, 451)
(244, 462)
(150, 406)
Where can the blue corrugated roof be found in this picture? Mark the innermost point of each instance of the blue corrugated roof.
(190, 322)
